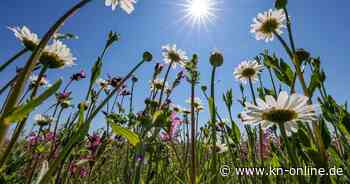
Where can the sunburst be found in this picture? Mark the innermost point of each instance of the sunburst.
(199, 12)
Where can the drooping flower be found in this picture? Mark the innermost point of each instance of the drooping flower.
(43, 120)
(126, 5)
(115, 82)
(34, 79)
(57, 55)
(171, 133)
(157, 84)
(30, 40)
(249, 69)
(266, 24)
(64, 99)
(221, 148)
(198, 105)
(104, 84)
(287, 110)
(78, 76)
(173, 55)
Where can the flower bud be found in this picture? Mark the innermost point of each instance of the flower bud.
(301, 55)
(204, 88)
(147, 56)
(216, 59)
(134, 79)
(280, 4)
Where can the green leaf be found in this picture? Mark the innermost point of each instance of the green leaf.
(270, 62)
(303, 137)
(96, 70)
(228, 98)
(22, 111)
(132, 137)
(236, 133)
(280, 4)
(315, 156)
(325, 134)
(67, 148)
(314, 83)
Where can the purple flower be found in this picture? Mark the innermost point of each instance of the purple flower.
(172, 132)
(78, 76)
(94, 142)
(73, 168)
(83, 172)
(33, 139)
(50, 136)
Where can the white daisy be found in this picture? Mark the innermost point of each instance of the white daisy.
(173, 55)
(286, 109)
(157, 84)
(57, 55)
(265, 24)
(104, 84)
(198, 105)
(30, 40)
(221, 148)
(126, 5)
(249, 69)
(43, 120)
(34, 78)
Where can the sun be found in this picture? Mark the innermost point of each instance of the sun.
(199, 8)
(199, 12)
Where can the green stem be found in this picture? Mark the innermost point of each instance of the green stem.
(164, 82)
(291, 153)
(260, 129)
(213, 122)
(290, 34)
(25, 73)
(22, 123)
(193, 134)
(13, 58)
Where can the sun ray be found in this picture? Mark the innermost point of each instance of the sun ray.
(199, 13)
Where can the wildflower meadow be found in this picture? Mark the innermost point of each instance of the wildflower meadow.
(282, 124)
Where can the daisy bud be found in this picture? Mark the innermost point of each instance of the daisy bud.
(204, 88)
(83, 105)
(301, 55)
(43, 120)
(280, 4)
(147, 56)
(216, 59)
(134, 79)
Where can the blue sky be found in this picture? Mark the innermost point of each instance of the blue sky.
(321, 28)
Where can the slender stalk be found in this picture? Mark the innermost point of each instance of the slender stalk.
(213, 122)
(22, 123)
(13, 58)
(164, 82)
(291, 153)
(131, 96)
(290, 34)
(25, 73)
(260, 129)
(193, 135)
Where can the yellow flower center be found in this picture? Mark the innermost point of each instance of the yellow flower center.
(269, 26)
(174, 56)
(248, 72)
(279, 115)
